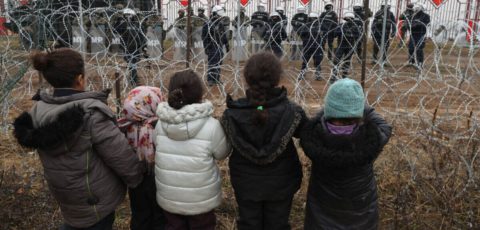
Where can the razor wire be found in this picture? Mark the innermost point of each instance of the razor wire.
(437, 101)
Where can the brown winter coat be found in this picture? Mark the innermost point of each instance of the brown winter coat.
(86, 159)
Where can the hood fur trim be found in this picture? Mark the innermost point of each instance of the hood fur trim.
(49, 135)
(185, 114)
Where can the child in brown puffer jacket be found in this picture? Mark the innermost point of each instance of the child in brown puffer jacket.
(87, 161)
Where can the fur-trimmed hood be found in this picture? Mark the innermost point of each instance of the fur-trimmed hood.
(48, 136)
(54, 121)
(345, 151)
(262, 144)
(186, 122)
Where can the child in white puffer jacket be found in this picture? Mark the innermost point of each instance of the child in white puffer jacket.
(188, 141)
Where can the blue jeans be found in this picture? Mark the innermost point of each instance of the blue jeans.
(104, 224)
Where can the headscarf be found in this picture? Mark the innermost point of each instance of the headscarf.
(139, 118)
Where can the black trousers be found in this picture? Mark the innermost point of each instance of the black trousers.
(328, 39)
(132, 59)
(377, 43)
(314, 50)
(415, 48)
(264, 215)
(104, 224)
(360, 47)
(214, 61)
(342, 61)
(146, 213)
(204, 221)
(276, 49)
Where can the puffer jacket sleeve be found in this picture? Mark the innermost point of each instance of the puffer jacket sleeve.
(112, 146)
(220, 146)
(384, 128)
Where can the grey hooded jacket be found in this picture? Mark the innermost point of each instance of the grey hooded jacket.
(87, 161)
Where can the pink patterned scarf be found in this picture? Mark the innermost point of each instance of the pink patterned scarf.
(139, 117)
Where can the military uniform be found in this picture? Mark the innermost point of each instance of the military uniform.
(240, 43)
(420, 21)
(197, 24)
(348, 35)
(259, 25)
(180, 42)
(299, 22)
(284, 19)
(133, 42)
(312, 40)
(274, 36)
(328, 24)
(154, 25)
(360, 17)
(406, 19)
(377, 28)
(214, 38)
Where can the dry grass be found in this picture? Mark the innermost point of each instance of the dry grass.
(427, 176)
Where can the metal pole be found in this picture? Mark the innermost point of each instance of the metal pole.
(238, 46)
(384, 29)
(189, 32)
(366, 4)
(310, 6)
(475, 22)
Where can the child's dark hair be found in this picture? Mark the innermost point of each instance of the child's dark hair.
(185, 88)
(59, 67)
(262, 73)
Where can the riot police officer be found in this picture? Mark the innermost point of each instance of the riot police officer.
(133, 41)
(377, 32)
(240, 36)
(197, 42)
(214, 38)
(328, 24)
(281, 11)
(298, 23)
(348, 35)
(259, 25)
(181, 21)
(275, 34)
(201, 13)
(244, 19)
(180, 42)
(361, 16)
(406, 19)
(420, 21)
(226, 24)
(312, 40)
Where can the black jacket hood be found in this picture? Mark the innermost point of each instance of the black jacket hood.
(63, 127)
(262, 144)
(51, 135)
(341, 151)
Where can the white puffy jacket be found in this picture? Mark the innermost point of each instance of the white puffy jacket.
(188, 141)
